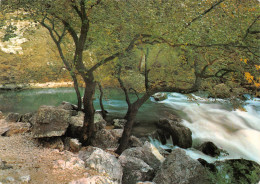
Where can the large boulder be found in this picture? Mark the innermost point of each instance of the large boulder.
(181, 135)
(148, 153)
(107, 138)
(50, 122)
(135, 170)
(77, 122)
(103, 162)
(159, 96)
(17, 128)
(178, 168)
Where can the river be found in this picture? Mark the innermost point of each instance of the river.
(236, 131)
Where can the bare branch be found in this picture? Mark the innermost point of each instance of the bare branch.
(251, 25)
(205, 12)
(136, 94)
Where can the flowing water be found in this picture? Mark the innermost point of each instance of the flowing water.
(236, 131)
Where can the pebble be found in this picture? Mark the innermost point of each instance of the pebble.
(25, 178)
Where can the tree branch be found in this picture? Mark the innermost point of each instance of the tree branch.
(118, 76)
(251, 25)
(205, 12)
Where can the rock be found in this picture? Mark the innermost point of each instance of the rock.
(10, 179)
(85, 152)
(17, 128)
(148, 153)
(75, 145)
(4, 127)
(135, 169)
(1, 115)
(119, 123)
(67, 106)
(4, 166)
(13, 117)
(159, 96)
(209, 148)
(26, 118)
(93, 180)
(104, 163)
(25, 179)
(99, 122)
(135, 142)
(77, 122)
(52, 143)
(240, 170)
(107, 138)
(72, 163)
(75, 125)
(210, 166)
(178, 168)
(50, 122)
(181, 135)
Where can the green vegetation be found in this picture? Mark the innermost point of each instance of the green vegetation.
(9, 32)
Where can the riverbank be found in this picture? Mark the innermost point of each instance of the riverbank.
(6, 87)
(41, 154)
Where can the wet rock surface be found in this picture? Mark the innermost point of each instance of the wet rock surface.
(181, 135)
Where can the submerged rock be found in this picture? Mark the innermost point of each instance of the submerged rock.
(50, 122)
(178, 168)
(209, 148)
(159, 96)
(181, 135)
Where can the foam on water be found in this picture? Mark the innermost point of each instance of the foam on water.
(236, 131)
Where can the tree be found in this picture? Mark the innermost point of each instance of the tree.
(194, 61)
(111, 29)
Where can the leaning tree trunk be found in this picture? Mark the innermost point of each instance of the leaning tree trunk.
(124, 141)
(88, 129)
(103, 111)
(76, 87)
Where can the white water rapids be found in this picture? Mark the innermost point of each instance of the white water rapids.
(237, 132)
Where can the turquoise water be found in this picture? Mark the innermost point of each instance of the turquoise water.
(114, 102)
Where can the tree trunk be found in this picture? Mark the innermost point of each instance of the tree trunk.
(103, 111)
(88, 130)
(124, 141)
(76, 87)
